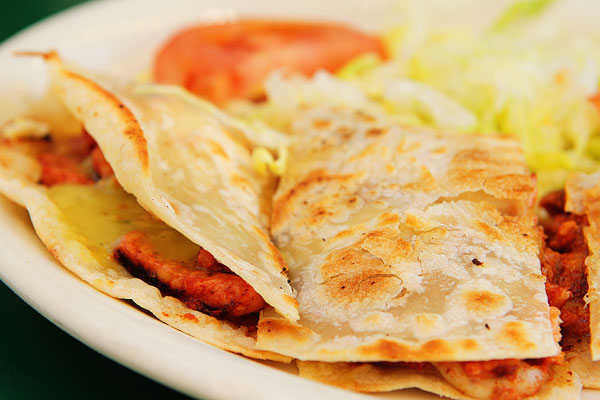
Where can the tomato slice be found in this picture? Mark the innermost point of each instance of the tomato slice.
(232, 60)
(595, 100)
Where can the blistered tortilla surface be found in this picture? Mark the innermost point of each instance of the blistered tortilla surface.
(185, 167)
(407, 245)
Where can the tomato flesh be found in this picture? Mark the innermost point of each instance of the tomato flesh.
(231, 60)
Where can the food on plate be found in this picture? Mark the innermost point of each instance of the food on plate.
(232, 59)
(211, 285)
(211, 288)
(536, 79)
(203, 185)
(415, 251)
(506, 80)
(373, 216)
(417, 246)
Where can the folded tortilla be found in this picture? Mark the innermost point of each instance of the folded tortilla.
(386, 377)
(187, 168)
(407, 245)
(79, 224)
(194, 182)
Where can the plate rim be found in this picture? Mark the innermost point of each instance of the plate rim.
(275, 382)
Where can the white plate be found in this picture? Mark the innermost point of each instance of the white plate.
(120, 37)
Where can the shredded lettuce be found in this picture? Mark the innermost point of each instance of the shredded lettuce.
(359, 66)
(533, 89)
(264, 162)
(287, 95)
(537, 82)
(519, 11)
(530, 82)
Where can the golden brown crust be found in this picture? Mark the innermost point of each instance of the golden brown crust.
(482, 301)
(511, 186)
(284, 205)
(389, 350)
(132, 129)
(368, 378)
(284, 330)
(515, 334)
(352, 275)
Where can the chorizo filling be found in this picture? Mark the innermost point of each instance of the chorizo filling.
(74, 170)
(563, 263)
(202, 284)
(76, 160)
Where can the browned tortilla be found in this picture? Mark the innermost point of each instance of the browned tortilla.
(407, 245)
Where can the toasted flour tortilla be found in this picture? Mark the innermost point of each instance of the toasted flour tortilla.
(578, 355)
(406, 245)
(79, 224)
(188, 169)
(364, 377)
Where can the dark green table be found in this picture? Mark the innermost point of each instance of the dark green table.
(60, 367)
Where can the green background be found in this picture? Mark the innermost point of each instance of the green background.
(57, 367)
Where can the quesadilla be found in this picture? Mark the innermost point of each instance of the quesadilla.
(190, 245)
(569, 263)
(414, 246)
(188, 169)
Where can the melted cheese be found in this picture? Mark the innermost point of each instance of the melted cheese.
(101, 214)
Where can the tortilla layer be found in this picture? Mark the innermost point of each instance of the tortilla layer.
(407, 245)
(19, 173)
(184, 166)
